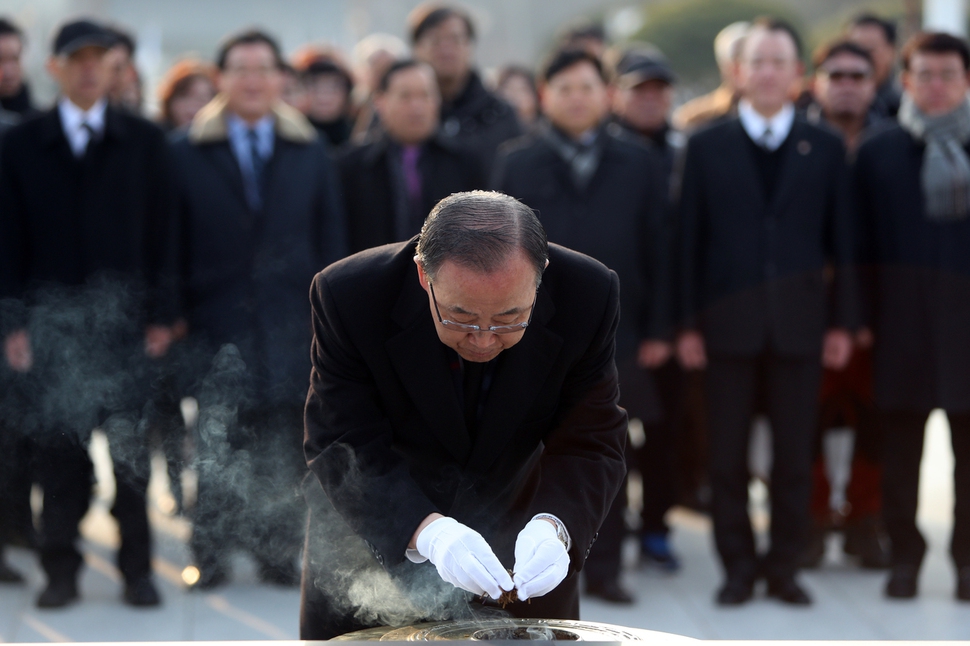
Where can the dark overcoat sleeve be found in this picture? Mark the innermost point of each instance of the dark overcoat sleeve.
(582, 464)
(349, 447)
(161, 231)
(14, 249)
(841, 243)
(655, 317)
(331, 214)
(691, 209)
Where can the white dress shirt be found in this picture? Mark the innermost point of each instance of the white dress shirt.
(73, 119)
(756, 125)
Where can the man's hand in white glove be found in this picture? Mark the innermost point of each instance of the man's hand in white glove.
(463, 558)
(541, 560)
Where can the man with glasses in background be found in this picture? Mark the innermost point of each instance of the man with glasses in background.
(913, 186)
(462, 424)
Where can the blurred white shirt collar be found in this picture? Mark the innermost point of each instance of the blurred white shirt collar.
(73, 119)
(756, 125)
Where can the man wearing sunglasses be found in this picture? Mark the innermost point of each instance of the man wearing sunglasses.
(462, 425)
(844, 89)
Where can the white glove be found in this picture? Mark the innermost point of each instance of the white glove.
(463, 558)
(541, 560)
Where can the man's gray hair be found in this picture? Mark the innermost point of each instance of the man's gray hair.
(481, 230)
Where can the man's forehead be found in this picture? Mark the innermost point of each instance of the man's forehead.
(936, 59)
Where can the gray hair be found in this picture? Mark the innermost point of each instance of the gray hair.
(481, 230)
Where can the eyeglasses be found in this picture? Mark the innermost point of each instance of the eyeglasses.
(845, 75)
(925, 77)
(471, 329)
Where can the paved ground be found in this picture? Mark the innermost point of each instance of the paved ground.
(848, 604)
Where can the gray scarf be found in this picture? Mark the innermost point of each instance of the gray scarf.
(583, 161)
(946, 169)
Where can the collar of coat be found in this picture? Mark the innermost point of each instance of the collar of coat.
(209, 125)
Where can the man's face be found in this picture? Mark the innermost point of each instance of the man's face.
(644, 106)
(409, 107)
(873, 39)
(83, 76)
(464, 295)
(845, 86)
(938, 83)
(576, 99)
(251, 81)
(121, 69)
(769, 69)
(11, 72)
(326, 97)
(447, 48)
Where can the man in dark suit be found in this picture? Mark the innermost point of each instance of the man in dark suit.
(443, 36)
(643, 92)
(85, 249)
(391, 183)
(912, 182)
(764, 207)
(462, 410)
(600, 192)
(259, 215)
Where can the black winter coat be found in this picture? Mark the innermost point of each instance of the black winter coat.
(918, 275)
(479, 120)
(373, 191)
(245, 274)
(65, 221)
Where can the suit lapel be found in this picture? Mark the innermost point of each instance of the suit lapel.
(228, 167)
(420, 361)
(519, 377)
(798, 155)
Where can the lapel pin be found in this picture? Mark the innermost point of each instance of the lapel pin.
(804, 147)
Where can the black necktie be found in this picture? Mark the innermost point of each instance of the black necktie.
(94, 136)
(765, 140)
(259, 165)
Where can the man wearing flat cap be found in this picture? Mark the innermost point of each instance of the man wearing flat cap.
(86, 300)
(462, 426)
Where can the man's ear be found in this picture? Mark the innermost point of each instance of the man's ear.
(422, 277)
(53, 68)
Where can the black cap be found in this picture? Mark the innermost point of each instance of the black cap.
(82, 33)
(638, 66)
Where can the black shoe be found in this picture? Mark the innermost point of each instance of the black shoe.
(735, 591)
(610, 591)
(58, 594)
(963, 583)
(902, 582)
(9, 575)
(209, 578)
(141, 593)
(787, 590)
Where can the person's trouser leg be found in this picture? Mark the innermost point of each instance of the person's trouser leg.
(132, 469)
(960, 439)
(730, 388)
(903, 452)
(66, 475)
(792, 389)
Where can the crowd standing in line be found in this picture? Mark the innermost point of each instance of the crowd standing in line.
(791, 245)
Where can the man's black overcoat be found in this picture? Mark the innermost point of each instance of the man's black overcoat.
(918, 275)
(368, 182)
(385, 433)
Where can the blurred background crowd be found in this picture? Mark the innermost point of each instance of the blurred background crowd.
(788, 218)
